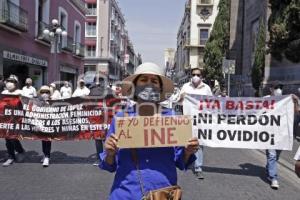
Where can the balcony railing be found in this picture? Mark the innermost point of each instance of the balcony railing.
(92, 11)
(13, 16)
(78, 49)
(203, 41)
(67, 43)
(41, 27)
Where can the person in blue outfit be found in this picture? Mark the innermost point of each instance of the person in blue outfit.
(157, 166)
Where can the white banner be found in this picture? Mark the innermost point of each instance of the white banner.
(249, 123)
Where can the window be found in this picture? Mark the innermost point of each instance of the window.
(91, 28)
(90, 51)
(92, 7)
(77, 32)
(203, 36)
(205, 1)
(63, 21)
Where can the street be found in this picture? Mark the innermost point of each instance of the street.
(230, 174)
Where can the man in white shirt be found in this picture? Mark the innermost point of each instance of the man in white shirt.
(66, 90)
(28, 90)
(196, 86)
(81, 90)
(55, 94)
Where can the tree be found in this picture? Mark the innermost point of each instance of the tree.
(218, 43)
(284, 26)
(258, 68)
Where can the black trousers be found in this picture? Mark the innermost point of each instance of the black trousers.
(13, 145)
(46, 145)
(99, 147)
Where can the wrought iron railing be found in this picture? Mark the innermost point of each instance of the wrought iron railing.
(41, 27)
(78, 49)
(14, 16)
(67, 43)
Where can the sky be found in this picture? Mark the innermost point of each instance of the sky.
(152, 26)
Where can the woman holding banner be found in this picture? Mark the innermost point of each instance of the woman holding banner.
(44, 96)
(12, 145)
(139, 171)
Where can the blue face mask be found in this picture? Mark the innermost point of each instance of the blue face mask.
(147, 93)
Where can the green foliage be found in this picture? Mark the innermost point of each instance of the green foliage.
(284, 26)
(257, 74)
(218, 43)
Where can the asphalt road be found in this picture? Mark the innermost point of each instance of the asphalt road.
(230, 174)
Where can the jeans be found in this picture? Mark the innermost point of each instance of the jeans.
(271, 167)
(46, 145)
(199, 160)
(99, 148)
(13, 145)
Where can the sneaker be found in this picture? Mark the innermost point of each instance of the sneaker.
(8, 162)
(199, 175)
(20, 157)
(274, 184)
(46, 162)
(96, 164)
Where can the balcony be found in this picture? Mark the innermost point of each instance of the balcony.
(67, 43)
(78, 49)
(13, 16)
(41, 27)
(188, 5)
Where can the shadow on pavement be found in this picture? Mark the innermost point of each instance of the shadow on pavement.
(57, 157)
(246, 169)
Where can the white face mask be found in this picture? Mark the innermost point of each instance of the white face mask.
(196, 79)
(10, 86)
(45, 96)
(278, 92)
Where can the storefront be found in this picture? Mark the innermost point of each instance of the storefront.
(24, 66)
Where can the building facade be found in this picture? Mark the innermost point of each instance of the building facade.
(194, 31)
(169, 56)
(244, 29)
(25, 50)
(106, 40)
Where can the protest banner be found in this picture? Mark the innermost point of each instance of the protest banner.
(68, 119)
(250, 123)
(153, 131)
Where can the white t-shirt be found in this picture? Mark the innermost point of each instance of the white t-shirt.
(56, 95)
(202, 89)
(29, 92)
(66, 92)
(297, 156)
(79, 92)
(16, 92)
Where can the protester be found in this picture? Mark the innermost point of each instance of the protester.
(223, 93)
(66, 90)
(2, 84)
(44, 96)
(81, 90)
(297, 164)
(273, 154)
(13, 145)
(196, 86)
(99, 90)
(28, 90)
(55, 94)
(156, 166)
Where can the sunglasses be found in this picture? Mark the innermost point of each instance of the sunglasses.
(44, 92)
(199, 75)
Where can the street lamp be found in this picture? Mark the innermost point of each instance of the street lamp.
(54, 33)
